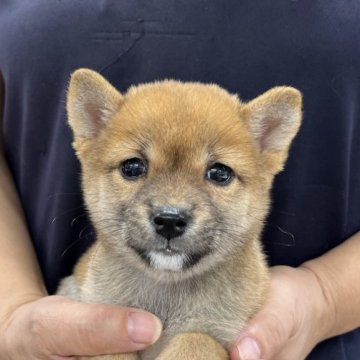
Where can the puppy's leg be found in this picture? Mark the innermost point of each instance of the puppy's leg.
(193, 346)
(132, 356)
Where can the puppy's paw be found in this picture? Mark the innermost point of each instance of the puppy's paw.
(193, 346)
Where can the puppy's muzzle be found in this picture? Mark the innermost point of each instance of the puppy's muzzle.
(170, 222)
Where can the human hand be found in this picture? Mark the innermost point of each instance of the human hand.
(294, 319)
(57, 328)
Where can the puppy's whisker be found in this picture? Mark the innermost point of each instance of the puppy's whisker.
(65, 213)
(73, 221)
(70, 246)
(81, 234)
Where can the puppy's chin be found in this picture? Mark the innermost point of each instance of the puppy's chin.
(168, 261)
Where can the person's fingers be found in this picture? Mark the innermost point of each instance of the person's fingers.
(265, 335)
(60, 327)
(90, 329)
(280, 329)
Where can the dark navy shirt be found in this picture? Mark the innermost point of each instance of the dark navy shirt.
(245, 46)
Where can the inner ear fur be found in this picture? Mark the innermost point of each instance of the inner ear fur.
(273, 119)
(91, 102)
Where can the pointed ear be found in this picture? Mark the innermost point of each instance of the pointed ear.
(274, 119)
(91, 103)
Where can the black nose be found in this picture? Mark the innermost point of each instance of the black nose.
(170, 224)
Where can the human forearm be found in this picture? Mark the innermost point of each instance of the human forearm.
(19, 271)
(20, 277)
(338, 274)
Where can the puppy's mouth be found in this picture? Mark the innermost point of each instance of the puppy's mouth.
(169, 259)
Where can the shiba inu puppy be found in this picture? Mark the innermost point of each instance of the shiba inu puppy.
(176, 178)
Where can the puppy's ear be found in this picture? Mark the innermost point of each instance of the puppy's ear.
(274, 119)
(91, 103)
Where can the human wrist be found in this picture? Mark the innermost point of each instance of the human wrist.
(324, 303)
(16, 299)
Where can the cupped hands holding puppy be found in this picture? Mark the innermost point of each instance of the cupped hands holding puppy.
(305, 306)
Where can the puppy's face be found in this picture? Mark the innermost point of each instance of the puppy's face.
(176, 175)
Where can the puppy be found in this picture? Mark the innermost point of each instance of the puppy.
(176, 179)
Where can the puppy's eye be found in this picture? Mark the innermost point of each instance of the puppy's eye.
(219, 174)
(133, 168)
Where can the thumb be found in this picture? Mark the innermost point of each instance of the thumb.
(264, 336)
(91, 329)
(267, 335)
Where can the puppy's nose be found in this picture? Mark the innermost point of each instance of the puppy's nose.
(170, 224)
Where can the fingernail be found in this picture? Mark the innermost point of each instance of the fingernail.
(248, 349)
(143, 328)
